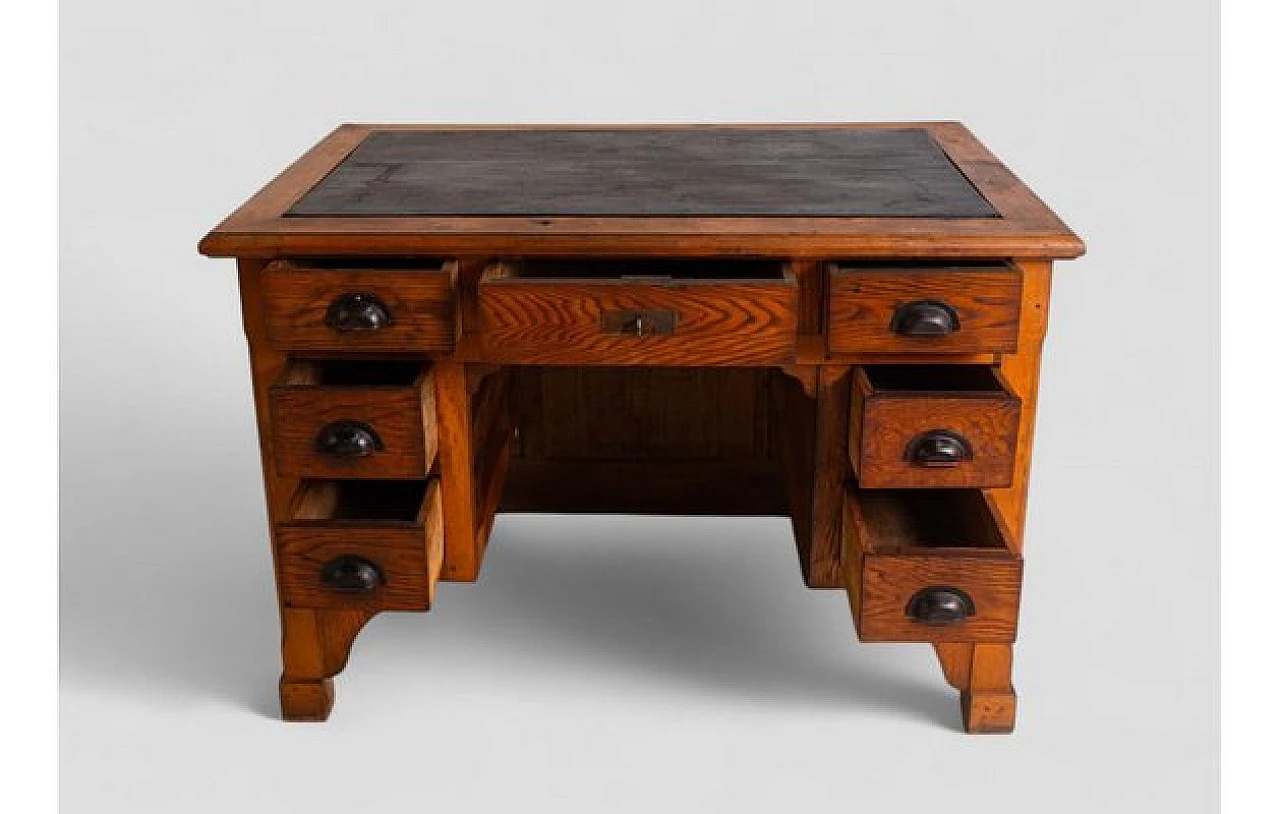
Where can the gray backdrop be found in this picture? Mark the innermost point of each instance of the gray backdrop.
(614, 663)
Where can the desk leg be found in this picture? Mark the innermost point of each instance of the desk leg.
(1022, 371)
(982, 672)
(316, 644)
(983, 675)
(477, 436)
(813, 419)
(457, 471)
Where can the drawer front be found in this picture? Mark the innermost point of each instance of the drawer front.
(902, 590)
(354, 432)
(933, 438)
(310, 308)
(890, 584)
(637, 322)
(370, 564)
(931, 309)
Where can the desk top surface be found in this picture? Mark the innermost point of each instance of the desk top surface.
(644, 173)
(916, 189)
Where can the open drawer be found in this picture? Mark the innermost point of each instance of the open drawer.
(929, 566)
(638, 312)
(377, 545)
(933, 426)
(354, 419)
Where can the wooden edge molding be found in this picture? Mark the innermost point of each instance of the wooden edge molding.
(1026, 226)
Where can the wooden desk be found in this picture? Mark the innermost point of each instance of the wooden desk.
(837, 323)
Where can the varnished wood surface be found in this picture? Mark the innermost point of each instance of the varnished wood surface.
(403, 417)
(905, 541)
(645, 440)
(674, 428)
(526, 319)
(886, 417)
(570, 413)
(494, 439)
(315, 645)
(463, 546)
(989, 703)
(1022, 372)
(982, 673)
(638, 172)
(409, 554)
(863, 299)
(1026, 227)
(420, 302)
(830, 474)
(488, 406)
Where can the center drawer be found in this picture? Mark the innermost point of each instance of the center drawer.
(661, 312)
(377, 545)
(932, 426)
(354, 419)
(930, 566)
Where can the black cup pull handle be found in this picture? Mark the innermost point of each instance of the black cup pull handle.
(939, 605)
(357, 312)
(350, 574)
(937, 449)
(348, 440)
(925, 318)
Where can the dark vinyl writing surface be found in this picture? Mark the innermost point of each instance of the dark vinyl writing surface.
(647, 173)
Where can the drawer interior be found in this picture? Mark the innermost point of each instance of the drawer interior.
(932, 521)
(360, 500)
(910, 547)
(643, 269)
(981, 380)
(351, 373)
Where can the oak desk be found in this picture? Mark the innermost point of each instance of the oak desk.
(837, 323)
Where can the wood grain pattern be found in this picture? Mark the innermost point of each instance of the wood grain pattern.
(494, 439)
(421, 303)
(1021, 371)
(530, 320)
(649, 413)
(644, 440)
(830, 476)
(793, 408)
(720, 427)
(402, 415)
(314, 644)
(863, 299)
(811, 282)
(905, 541)
(463, 547)
(409, 554)
(989, 703)
(982, 674)
(1026, 228)
(885, 420)
(955, 658)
